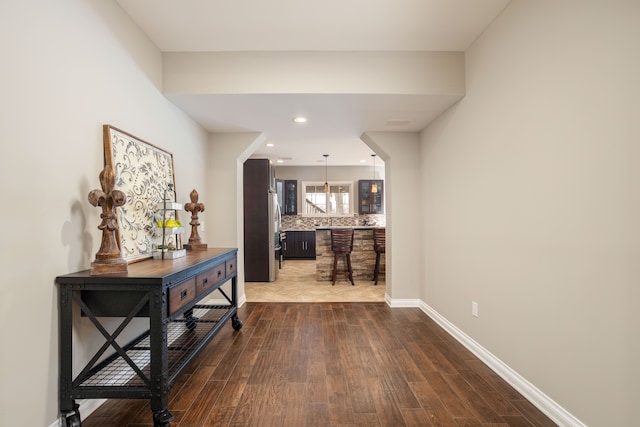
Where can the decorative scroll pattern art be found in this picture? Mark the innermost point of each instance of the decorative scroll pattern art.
(143, 172)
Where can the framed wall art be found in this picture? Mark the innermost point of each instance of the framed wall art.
(145, 174)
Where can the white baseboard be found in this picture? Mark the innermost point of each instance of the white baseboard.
(540, 400)
(395, 303)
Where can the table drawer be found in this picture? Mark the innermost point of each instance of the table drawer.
(231, 266)
(204, 281)
(181, 295)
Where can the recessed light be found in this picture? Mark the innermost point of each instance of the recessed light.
(363, 161)
(270, 144)
(300, 119)
(279, 161)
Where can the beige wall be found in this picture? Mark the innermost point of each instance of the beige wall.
(223, 220)
(67, 67)
(436, 73)
(400, 152)
(532, 202)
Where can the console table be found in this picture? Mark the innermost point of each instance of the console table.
(174, 295)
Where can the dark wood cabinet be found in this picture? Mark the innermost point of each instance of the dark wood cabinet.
(300, 245)
(370, 202)
(290, 197)
(259, 221)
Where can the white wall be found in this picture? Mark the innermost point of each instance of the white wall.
(68, 67)
(532, 202)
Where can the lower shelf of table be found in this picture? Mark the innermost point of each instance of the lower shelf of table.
(115, 377)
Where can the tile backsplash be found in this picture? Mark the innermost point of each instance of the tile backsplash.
(299, 222)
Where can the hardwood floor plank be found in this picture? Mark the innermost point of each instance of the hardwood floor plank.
(199, 410)
(416, 418)
(190, 391)
(517, 421)
(230, 395)
(246, 361)
(498, 402)
(407, 367)
(219, 416)
(420, 359)
(361, 399)
(316, 374)
(468, 422)
(294, 396)
(448, 396)
(339, 400)
(389, 414)
(316, 414)
(478, 406)
(533, 414)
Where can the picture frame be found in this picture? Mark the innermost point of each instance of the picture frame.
(145, 173)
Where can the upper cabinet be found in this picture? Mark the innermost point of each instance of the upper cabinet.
(290, 197)
(280, 194)
(370, 196)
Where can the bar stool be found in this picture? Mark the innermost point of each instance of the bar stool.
(342, 245)
(379, 247)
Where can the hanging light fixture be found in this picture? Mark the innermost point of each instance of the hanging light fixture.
(374, 186)
(326, 182)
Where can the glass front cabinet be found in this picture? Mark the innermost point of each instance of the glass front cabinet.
(370, 196)
(290, 197)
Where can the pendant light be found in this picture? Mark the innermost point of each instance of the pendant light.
(326, 182)
(374, 186)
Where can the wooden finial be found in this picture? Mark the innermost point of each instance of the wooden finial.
(108, 258)
(194, 207)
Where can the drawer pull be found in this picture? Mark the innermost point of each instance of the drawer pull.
(205, 280)
(219, 273)
(183, 294)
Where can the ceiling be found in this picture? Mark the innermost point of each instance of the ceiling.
(335, 122)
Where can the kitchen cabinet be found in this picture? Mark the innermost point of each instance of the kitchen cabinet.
(300, 245)
(290, 197)
(368, 201)
(260, 225)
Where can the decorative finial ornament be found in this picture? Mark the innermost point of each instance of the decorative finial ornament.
(108, 258)
(194, 207)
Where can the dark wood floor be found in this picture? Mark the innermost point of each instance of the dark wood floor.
(333, 364)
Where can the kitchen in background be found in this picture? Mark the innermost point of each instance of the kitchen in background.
(290, 234)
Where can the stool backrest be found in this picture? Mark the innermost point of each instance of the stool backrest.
(342, 239)
(379, 238)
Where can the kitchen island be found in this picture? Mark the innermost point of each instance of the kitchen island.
(363, 257)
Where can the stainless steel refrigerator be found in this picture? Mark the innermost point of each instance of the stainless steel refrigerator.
(262, 223)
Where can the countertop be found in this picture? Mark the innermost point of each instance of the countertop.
(329, 227)
(355, 227)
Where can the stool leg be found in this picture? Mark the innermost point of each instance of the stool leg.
(376, 270)
(350, 270)
(335, 266)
